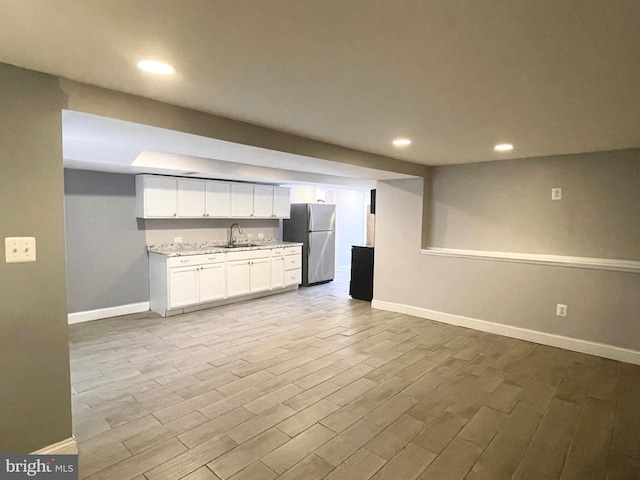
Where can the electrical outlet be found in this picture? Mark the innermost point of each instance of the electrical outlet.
(20, 249)
(561, 310)
(556, 193)
(249, 235)
(177, 239)
(260, 236)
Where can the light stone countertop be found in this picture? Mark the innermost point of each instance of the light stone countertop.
(184, 249)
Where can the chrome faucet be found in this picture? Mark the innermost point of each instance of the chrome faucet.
(231, 233)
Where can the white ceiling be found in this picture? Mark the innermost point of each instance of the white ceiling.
(455, 76)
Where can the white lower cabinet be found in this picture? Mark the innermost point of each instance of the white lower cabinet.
(260, 275)
(183, 286)
(238, 278)
(212, 282)
(248, 272)
(196, 284)
(277, 272)
(188, 281)
(292, 266)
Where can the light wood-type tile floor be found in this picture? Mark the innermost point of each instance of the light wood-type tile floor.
(312, 384)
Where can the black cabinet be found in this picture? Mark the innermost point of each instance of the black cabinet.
(361, 286)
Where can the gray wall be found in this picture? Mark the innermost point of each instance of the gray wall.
(107, 262)
(603, 306)
(507, 206)
(35, 403)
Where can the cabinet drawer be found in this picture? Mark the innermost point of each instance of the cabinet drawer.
(293, 277)
(248, 255)
(292, 262)
(293, 250)
(195, 260)
(277, 252)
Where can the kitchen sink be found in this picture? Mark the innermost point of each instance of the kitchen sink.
(238, 245)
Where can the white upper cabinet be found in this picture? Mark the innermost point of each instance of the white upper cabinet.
(218, 199)
(241, 200)
(191, 197)
(156, 197)
(263, 201)
(271, 202)
(281, 202)
(168, 197)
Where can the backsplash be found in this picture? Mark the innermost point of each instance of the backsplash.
(164, 231)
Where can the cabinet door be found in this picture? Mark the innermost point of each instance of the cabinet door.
(183, 286)
(212, 282)
(218, 199)
(260, 274)
(160, 196)
(281, 202)
(190, 197)
(241, 200)
(277, 272)
(238, 278)
(263, 201)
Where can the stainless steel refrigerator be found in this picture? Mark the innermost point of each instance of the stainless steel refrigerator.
(313, 224)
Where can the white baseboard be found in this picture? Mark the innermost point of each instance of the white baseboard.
(553, 340)
(388, 306)
(108, 312)
(65, 447)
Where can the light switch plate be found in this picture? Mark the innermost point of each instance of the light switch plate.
(20, 249)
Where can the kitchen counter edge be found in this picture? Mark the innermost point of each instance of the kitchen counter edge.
(168, 252)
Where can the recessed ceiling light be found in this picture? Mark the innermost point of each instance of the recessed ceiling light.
(503, 147)
(402, 142)
(153, 66)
